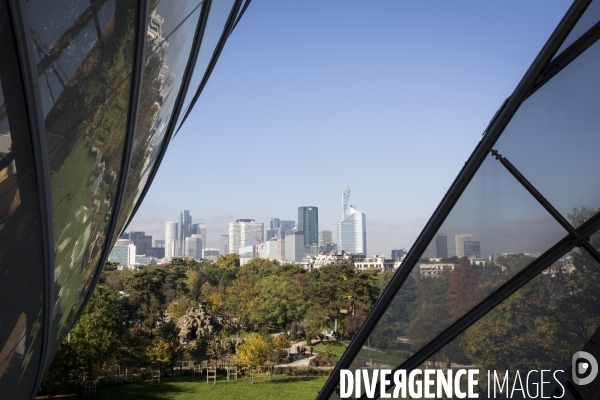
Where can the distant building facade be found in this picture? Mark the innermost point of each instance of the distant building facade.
(459, 241)
(200, 229)
(171, 239)
(224, 245)
(294, 246)
(308, 222)
(244, 232)
(210, 254)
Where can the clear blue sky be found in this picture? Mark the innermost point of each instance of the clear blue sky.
(389, 97)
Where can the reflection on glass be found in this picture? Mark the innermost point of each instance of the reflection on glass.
(84, 61)
(219, 12)
(21, 262)
(495, 230)
(161, 83)
(553, 137)
(590, 17)
(539, 327)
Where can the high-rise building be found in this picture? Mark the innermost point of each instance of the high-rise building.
(274, 224)
(325, 241)
(172, 239)
(123, 253)
(397, 254)
(200, 229)
(285, 226)
(352, 229)
(224, 245)
(294, 246)
(143, 243)
(441, 245)
(308, 222)
(430, 251)
(472, 248)
(278, 228)
(459, 242)
(193, 246)
(244, 232)
(185, 229)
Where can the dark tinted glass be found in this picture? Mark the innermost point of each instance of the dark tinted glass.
(554, 136)
(495, 229)
(21, 262)
(539, 327)
(590, 18)
(219, 12)
(161, 84)
(85, 52)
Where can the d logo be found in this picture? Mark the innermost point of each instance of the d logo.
(590, 364)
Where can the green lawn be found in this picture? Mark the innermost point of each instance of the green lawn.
(187, 388)
(336, 348)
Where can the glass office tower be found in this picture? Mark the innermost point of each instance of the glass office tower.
(91, 93)
(527, 196)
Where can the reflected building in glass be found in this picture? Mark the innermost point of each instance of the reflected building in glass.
(91, 93)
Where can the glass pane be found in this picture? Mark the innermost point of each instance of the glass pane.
(165, 19)
(21, 261)
(161, 84)
(590, 17)
(539, 327)
(494, 230)
(554, 136)
(85, 56)
(219, 12)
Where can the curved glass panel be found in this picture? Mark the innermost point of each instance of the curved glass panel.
(540, 327)
(590, 17)
(494, 230)
(219, 12)
(21, 259)
(165, 18)
(161, 84)
(554, 136)
(85, 52)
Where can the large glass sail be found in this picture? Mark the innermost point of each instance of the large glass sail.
(495, 230)
(21, 260)
(84, 55)
(553, 138)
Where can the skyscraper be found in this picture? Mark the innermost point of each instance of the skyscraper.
(185, 229)
(472, 248)
(308, 222)
(143, 243)
(244, 232)
(352, 229)
(459, 241)
(193, 246)
(200, 229)
(295, 250)
(274, 224)
(441, 245)
(171, 239)
(224, 245)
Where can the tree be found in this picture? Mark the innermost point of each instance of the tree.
(194, 281)
(254, 353)
(463, 291)
(230, 261)
(240, 301)
(280, 300)
(146, 289)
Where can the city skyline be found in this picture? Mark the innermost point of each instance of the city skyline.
(376, 110)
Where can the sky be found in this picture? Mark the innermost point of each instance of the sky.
(307, 98)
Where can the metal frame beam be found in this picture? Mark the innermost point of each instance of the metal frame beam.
(492, 134)
(229, 25)
(179, 102)
(20, 21)
(499, 295)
